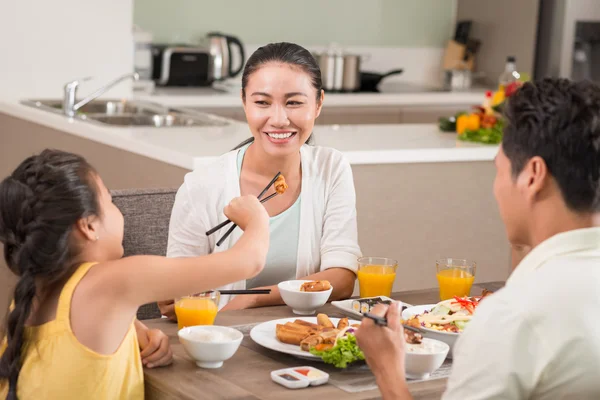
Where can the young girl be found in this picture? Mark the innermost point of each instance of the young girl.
(70, 332)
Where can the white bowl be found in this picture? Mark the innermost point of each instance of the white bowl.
(302, 303)
(210, 354)
(449, 338)
(425, 358)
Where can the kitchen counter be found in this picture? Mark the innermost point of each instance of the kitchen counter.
(191, 147)
(392, 94)
(437, 200)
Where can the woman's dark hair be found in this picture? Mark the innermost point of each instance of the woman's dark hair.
(40, 202)
(286, 53)
(559, 121)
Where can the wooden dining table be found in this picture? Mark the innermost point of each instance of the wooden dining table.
(247, 374)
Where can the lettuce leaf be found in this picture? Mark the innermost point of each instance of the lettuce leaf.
(345, 351)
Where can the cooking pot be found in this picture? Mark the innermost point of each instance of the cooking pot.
(341, 73)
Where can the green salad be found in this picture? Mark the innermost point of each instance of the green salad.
(345, 351)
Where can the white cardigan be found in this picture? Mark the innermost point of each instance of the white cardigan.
(328, 233)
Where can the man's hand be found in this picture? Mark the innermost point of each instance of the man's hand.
(384, 351)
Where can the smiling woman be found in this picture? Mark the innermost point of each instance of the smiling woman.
(313, 231)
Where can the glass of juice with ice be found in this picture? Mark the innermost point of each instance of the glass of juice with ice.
(376, 276)
(197, 309)
(455, 277)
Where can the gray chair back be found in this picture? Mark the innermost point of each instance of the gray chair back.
(147, 213)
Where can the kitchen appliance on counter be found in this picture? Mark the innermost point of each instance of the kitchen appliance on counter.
(181, 65)
(341, 72)
(197, 65)
(220, 46)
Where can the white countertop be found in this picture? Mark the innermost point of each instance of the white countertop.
(190, 147)
(393, 94)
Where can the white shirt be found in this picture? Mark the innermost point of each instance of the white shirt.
(284, 229)
(539, 336)
(328, 233)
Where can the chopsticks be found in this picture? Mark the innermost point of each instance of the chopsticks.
(222, 224)
(246, 291)
(383, 322)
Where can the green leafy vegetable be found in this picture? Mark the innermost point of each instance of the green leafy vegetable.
(491, 135)
(345, 351)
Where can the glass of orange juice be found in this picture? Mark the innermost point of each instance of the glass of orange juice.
(376, 276)
(455, 277)
(197, 309)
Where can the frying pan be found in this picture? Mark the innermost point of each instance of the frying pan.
(370, 80)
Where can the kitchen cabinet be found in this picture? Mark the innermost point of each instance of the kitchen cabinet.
(361, 115)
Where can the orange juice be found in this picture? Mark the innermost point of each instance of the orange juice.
(193, 311)
(454, 282)
(376, 280)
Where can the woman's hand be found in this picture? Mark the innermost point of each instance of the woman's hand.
(384, 351)
(154, 345)
(167, 308)
(241, 302)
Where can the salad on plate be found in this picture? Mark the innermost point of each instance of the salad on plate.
(451, 316)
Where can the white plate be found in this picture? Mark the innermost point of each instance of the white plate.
(264, 334)
(346, 305)
(416, 310)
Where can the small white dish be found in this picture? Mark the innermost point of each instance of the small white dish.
(300, 377)
(302, 303)
(210, 345)
(421, 360)
(449, 338)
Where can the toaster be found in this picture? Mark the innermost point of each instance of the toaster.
(180, 65)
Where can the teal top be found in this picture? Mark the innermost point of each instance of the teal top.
(284, 230)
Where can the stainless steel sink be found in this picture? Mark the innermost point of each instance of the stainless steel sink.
(104, 107)
(133, 114)
(156, 120)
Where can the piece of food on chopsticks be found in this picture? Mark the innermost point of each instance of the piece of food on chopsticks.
(315, 286)
(280, 185)
(412, 337)
(450, 315)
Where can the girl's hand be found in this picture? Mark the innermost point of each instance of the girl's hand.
(246, 209)
(155, 348)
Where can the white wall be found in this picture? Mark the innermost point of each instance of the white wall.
(47, 43)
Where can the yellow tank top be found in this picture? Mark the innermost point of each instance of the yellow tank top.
(57, 366)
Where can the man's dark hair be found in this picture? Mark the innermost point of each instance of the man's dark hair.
(559, 121)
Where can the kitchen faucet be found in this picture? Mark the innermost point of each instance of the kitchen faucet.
(69, 106)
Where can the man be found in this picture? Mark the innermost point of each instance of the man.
(539, 336)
